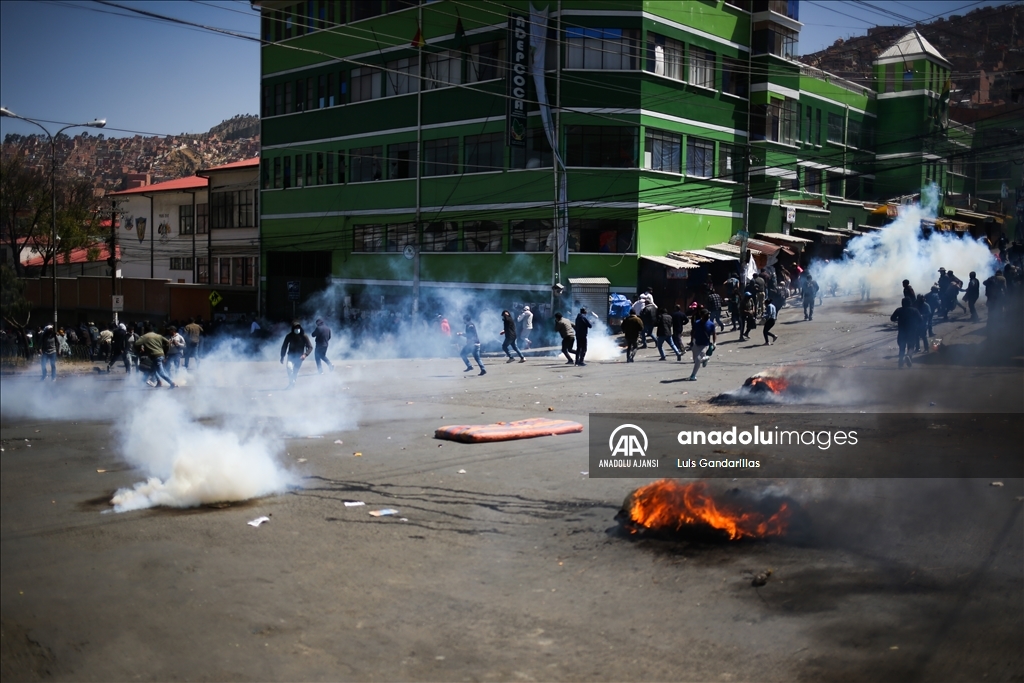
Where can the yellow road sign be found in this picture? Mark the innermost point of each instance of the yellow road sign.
(215, 298)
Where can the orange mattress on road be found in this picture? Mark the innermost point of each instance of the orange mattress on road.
(506, 431)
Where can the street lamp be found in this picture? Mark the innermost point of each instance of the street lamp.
(95, 123)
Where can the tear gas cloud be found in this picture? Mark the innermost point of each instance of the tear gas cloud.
(218, 439)
(881, 260)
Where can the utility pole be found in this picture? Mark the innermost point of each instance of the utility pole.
(112, 260)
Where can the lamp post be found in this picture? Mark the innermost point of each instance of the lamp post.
(95, 123)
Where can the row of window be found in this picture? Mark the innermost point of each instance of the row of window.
(586, 146)
(227, 270)
(786, 121)
(315, 15)
(602, 236)
(483, 62)
(933, 78)
(695, 65)
(231, 209)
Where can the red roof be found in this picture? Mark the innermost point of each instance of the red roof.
(235, 165)
(189, 183)
(80, 255)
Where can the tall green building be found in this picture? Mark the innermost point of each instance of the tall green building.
(407, 147)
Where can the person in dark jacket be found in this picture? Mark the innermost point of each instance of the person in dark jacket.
(296, 347)
(679, 319)
(808, 292)
(972, 295)
(322, 337)
(664, 334)
(649, 315)
(908, 329)
(908, 291)
(926, 320)
(932, 299)
(48, 351)
(118, 347)
(509, 332)
(582, 326)
(472, 345)
(632, 328)
(568, 335)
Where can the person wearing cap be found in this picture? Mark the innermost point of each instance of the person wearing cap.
(296, 347)
(322, 337)
(48, 352)
(525, 321)
(472, 345)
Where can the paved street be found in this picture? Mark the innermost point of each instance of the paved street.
(514, 569)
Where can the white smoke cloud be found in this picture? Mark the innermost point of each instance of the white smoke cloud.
(881, 260)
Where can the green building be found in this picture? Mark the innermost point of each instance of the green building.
(407, 148)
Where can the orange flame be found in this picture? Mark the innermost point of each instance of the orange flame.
(670, 505)
(774, 384)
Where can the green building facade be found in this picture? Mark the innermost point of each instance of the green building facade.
(386, 166)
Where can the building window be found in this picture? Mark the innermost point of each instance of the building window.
(330, 168)
(365, 84)
(770, 38)
(202, 219)
(482, 236)
(817, 127)
(536, 154)
(440, 236)
(403, 76)
(443, 69)
(808, 127)
(180, 263)
(365, 164)
(663, 151)
(812, 180)
(700, 157)
(242, 268)
(853, 133)
(835, 128)
(339, 158)
(735, 78)
(368, 238)
(402, 160)
(835, 184)
(601, 146)
(287, 172)
(203, 270)
(602, 236)
(222, 271)
(531, 235)
(288, 106)
(730, 163)
(186, 224)
(321, 171)
(268, 101)
(441, 157)
(774, 122)
(400, 235)
(890, 78)
(602, 48)
(485, 153)
(236, 209)
(702, 67)
(486, 61)
(664, 56)
(364, 9)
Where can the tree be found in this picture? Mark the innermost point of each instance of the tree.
(26, 210)
(15, 309)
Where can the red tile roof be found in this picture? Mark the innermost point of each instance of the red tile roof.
(189, 183)
(80, 255)
(235, 165)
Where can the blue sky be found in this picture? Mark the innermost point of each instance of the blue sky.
(73, 61)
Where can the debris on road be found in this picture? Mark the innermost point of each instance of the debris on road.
(354, 503)
(259, 520)
(100, 471)
(339, 442)
(506, 431)
(761, 579)
(386, 512)
(996, 483)
(462, 472)
(357, 454)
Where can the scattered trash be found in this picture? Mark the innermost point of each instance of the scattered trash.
(314, 437)
(597, 394)
(259, 520)
(550, 409)
(462, 471)
(761, 579)
(100, 471)
(339, 442)
(357, 454)
(894, 647)
(996, 483)
(931, 403)
(408, 403)
(301, 460)
(354, 503)
(585, 473)
(1019, 498)
(403, 519)
(386, 512)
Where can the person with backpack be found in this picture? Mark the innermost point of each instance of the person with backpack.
(809, 291)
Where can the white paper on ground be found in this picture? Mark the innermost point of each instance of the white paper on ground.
(383, 513)
(353, 503)
(258, 521)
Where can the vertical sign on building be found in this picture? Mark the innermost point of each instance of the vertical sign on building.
(515, 75)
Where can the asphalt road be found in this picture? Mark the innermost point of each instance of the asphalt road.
(514, 569)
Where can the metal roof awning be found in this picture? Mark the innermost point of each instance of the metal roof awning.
(766, 248)
(782, 237)
(725, 248)
(590, 281)
(825, 237)
(709, 255)
(869, 228)
(805, 207)
(671, 262)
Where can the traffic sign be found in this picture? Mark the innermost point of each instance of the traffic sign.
(293, 290)
(117, 303)
(215, 298)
